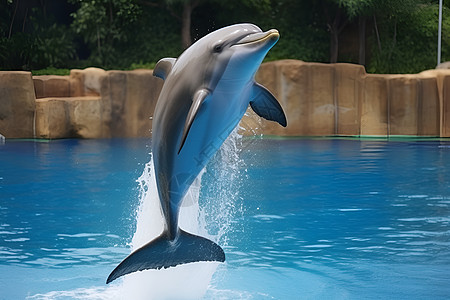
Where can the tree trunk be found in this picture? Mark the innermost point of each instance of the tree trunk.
(44, 8)
(334, 46)
(98, 42)
(24, 20)
(186, 39)
(335, 27)
(377, 33)
(394, 40)
(12, 20)
(188, 8)
(362, 40)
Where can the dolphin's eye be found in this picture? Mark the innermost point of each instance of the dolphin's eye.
(218, 48)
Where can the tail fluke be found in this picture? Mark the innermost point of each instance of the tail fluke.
(164, 253)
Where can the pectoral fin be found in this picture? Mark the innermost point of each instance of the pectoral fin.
(163, 67)
(199, 98)
(265, 105)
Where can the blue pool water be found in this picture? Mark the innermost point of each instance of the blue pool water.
(298, 218)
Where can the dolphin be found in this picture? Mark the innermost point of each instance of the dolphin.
(206, 92)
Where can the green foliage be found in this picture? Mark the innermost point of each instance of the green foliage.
(130, 34)
(104, 26)
(301, 36)
(297, 21)
(42, 43)
(51, 71)
(16, 52)
(53, 46)
(414, 47)
(356, 8)
(152, 38)
(142, 65)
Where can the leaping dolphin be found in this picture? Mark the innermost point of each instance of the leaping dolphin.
(205, 94)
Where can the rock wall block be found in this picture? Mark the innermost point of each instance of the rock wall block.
(69, 117)
(17, 104)
(349, 85)
(403, 102)
(52, 119)
(51, 86)
(374, 106)
(445, 124)
(429, 107)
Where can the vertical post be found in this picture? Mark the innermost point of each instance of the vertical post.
(439, 33)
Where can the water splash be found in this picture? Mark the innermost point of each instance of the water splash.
(221, 205)
(212, 218)
(93, 293)
(171, 283)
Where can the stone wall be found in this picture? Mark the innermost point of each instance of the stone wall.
(17, 104)
(94, 103)
(319, 100)
(342, 100)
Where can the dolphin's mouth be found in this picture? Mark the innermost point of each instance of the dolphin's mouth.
(259, 37)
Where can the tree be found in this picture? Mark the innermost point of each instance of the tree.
(182, 10)
(104, 23)
(186, 21)
(31, 37)
(338, 13)
(408, 36)
(399, 34)
(341, 12)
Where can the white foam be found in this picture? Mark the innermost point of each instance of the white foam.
(189, 281)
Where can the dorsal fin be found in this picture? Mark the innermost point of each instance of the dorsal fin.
(163, 67)
(199, 98)
(265, 105)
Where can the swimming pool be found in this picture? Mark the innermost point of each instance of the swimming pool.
(305, 218)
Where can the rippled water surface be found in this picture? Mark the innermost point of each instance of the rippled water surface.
(312, 219)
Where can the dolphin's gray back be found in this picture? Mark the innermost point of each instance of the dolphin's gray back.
(169, 118)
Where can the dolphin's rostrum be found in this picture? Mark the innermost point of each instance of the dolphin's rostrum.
(205, 94)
